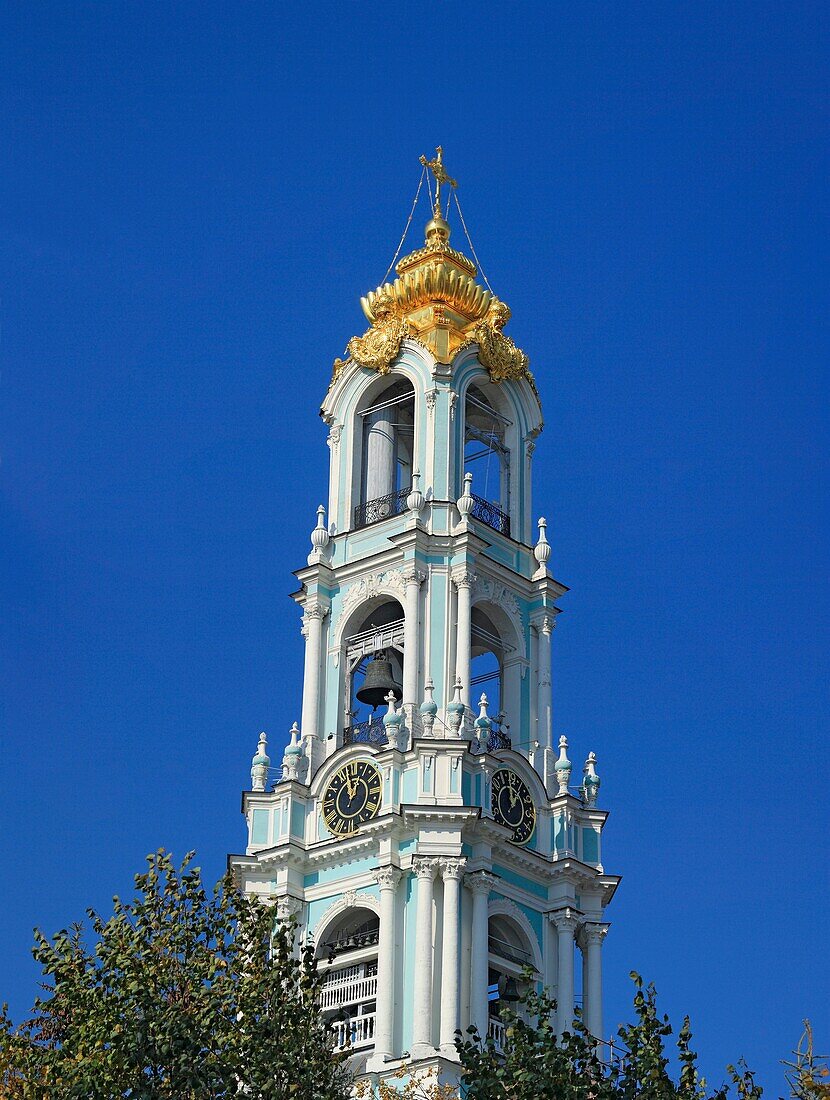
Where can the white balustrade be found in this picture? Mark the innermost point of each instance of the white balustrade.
(495, 1031)
(357, 1032)
(351, 990)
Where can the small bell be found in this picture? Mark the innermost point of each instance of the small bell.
(378, 682)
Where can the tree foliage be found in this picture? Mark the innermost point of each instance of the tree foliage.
(534, 1066)
(183, 994)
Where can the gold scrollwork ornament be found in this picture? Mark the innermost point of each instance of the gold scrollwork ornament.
(497, 352)
(378, 347)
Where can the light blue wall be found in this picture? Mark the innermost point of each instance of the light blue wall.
(590, 846)
(297, 819)
(333, 874)
(520, 880)
(410, 786)
(259, 827)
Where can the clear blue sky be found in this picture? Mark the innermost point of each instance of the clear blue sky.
(193, 199)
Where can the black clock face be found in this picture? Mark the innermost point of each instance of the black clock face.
(353, 796)
(512, 805)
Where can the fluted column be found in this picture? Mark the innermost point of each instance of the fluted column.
(451, 871)
(313, 616)
(412, 607)
(566, 923)
(464, 581)
(480, 884)
(592, 937)
(422, 1045)
(388, 879)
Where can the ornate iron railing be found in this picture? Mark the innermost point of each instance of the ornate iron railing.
(370, 732)
(496, 740)
(487, 512)
(373, 511)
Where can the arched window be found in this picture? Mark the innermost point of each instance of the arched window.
(509, 953)
(487, 654)
(379, 633)
(487, 458)
(350, 980)
(386, 440)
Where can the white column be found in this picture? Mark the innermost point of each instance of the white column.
(313, 616)
(566, 923)
(464, 583)
(422, 1045)
(451, 870)
(551, 961)
(592, 937)
(544, 706)
(380, 453)
(480, 883)
(388, 879)
(412, 606)
(288, 908)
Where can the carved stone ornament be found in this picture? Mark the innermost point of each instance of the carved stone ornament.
(452, 868)
(424, 867)
(490, 591)
(390, 583)
(387, 877)
(480, 882)
(379, 346)
(497, 352)
(288, 907)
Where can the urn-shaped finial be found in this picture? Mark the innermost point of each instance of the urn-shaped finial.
(541, 551)
(292, 754)
(455, 708)
(260, 764)
(319, 537)
(415, 500)
(429, 708)
(392, 722)
(563, 766)
(590, 780)
(465, 502)
(483, 723)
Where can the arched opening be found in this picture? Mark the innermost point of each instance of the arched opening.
(349, 961)
(510, 953)
(487, 657)
(487, 458)
(379, 633)
(385, 441)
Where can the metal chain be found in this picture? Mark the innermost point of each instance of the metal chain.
(470, 243)
(406, 227)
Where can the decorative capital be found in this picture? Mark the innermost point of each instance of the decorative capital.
(288, 907)
(463, 578)
(424, 867)
(593, 934)
(413, 576)
(565, 920)
(480, 882)
(387, 878)
(452, 869)
(315, 610)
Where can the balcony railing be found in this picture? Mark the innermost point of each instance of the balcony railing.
(373, 511)
(357, 1032)
(506, 950)
(496, 740)
(370, 732)
(336, 993)
(495, 1031)
(487, 512)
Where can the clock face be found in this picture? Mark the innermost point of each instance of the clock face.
(353, 796)
(512, 805)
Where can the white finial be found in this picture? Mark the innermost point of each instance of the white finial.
(429, 708)
(319, 537)
(455, 709)
(415, 500)
(563, 766)
(541, 551)
(292, 754)
(465, 502)
(392, 721)
(260, 765)
(590, 780)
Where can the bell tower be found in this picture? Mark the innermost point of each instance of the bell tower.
(424, 824)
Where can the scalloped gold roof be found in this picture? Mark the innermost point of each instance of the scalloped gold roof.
(435, 293)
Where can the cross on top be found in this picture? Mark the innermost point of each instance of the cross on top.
(436, 166)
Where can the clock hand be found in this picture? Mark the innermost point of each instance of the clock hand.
(511, 792)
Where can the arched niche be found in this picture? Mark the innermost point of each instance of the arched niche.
(498, 655)
(383, 447)
(350, 925)
(373, 628)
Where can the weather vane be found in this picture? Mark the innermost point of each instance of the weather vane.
(436, 166)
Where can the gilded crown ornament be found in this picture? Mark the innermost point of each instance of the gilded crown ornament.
(436, 301)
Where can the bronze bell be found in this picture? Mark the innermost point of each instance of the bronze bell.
(378, 683)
